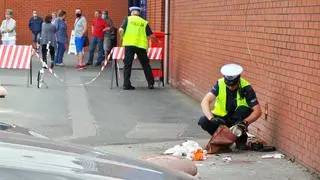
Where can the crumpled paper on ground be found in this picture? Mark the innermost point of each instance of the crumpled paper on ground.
(227, 159)
(185, 149)
(273, 156)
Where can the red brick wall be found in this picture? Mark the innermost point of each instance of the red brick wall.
(155, 14)
(278, 44)
(23, 11)
(2, 7)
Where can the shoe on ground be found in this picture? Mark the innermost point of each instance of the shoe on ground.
(97, 64)
(44, 65)
(81, 67)
(129, 87)
(88, 64)
(151, 86)
(60, 64)
(52, 65)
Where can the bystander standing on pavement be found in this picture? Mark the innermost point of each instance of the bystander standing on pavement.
(35, 24)
(48, 36)
(99, 27)
(135, 32)
(54, 17)
(110, 40)
(8, 29)
(80, 30)
(62, 39)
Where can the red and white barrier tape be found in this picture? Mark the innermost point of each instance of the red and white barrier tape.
(82, 84)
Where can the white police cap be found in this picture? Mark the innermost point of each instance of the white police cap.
(231, 71)
(135, 8)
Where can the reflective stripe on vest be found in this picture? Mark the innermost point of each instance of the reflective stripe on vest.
(135, 33)
(220, 106)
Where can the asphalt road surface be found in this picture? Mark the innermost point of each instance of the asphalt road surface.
(95, 114)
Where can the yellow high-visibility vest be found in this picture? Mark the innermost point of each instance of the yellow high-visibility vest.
(220, 106)
(135, 33)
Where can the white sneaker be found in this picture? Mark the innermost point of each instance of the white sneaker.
(60, 64)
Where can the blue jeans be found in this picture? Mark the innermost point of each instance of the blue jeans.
(94, 42)
(60, 52)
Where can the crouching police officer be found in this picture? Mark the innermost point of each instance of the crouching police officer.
(235, 101)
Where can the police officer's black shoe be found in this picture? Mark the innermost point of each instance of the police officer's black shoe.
(129, 87)
(150, 86)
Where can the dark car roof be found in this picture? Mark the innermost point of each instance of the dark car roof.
(24, 157)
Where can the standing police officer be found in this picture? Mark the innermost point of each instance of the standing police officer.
(235, 101)
(135, 32)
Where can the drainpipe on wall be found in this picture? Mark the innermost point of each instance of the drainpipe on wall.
(166, 45)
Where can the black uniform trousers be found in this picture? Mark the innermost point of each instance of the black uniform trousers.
(130, 51)
(211, 126)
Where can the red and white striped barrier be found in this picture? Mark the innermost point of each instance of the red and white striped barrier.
(153, 53)
(15, 57)
(51, 71)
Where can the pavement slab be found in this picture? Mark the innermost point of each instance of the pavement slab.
(243, 165)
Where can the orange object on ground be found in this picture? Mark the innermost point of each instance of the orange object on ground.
(198, 155)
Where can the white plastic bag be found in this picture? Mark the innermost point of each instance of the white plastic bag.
(186, 149)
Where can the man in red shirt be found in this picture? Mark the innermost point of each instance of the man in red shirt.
(99, 27)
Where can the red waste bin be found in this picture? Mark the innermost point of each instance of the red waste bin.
(160, 36)
(160, 43)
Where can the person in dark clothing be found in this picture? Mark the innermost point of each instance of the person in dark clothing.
(135, 32)
(35, 25)
(110, 36)
(48, 37)
(235, 101)
(62, 38)
(114, 38)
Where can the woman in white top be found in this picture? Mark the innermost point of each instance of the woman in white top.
(8, 29)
